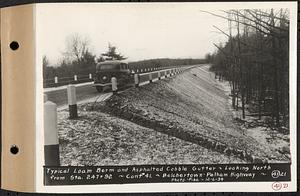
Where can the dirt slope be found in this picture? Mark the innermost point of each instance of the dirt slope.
(101, 139)
(193, 107)
(181, 120)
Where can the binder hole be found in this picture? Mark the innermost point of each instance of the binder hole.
(14, 149)
(14, 45)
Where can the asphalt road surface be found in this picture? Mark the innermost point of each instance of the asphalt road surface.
(83, 92)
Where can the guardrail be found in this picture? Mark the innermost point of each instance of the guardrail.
(144, 78)
(76, 79)
(61, 81)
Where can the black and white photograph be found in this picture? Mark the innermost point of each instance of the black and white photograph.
(162, 86)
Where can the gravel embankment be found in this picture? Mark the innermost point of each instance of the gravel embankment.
(182, 120)
(194, 107)
(100, 139)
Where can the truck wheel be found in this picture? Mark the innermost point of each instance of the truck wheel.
(99, 89)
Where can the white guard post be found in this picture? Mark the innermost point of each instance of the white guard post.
(114, 85)
(136, 80)
(158, 75)
(51, 145)
(75, 77)
(55, 79)
(90, 76)
(150, 77)
(71, 91)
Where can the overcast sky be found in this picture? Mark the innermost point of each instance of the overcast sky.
(140, 31)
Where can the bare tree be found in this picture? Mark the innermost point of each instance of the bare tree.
(255, 62)
(76, 47)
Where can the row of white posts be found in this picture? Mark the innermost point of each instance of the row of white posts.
(51, 147)
(146, 69)
(75, 78)
(90, 75)
(137, 76)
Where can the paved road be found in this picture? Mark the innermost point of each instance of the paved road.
(83, 92)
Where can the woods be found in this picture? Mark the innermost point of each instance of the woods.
(255, 60)
(79, 60)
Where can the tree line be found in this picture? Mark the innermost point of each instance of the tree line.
(79, 60)
(255, 60)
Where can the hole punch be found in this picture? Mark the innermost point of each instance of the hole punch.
(14, 149)
(14, 45)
